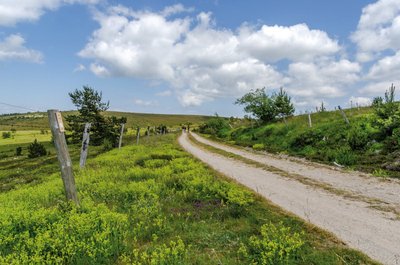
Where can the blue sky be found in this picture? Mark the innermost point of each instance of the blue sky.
(196, 57)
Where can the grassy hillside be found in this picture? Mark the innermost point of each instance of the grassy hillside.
(360, 145)
(151, 204)
(39, 120)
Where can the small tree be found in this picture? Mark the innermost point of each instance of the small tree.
(283, 104)
(387, 112)
(258, 103)
(6, 135)
(36, 149)
(90, 107)
(267, 108)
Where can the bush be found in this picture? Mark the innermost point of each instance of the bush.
(309, 137)
(258, 147)
(358, 136)
(6, 135)
(277, 245)
(18, 151)
(36, 149)
(107, 145)
(344, 156)
(216, 126)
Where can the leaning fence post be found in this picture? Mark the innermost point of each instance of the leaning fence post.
(85, 145)
(137, 135)
(57, 130)
(309, 120)
(344, 115)
(120, 136)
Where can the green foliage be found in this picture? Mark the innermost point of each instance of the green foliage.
(259, 147)
(267, 108)
(359, 135)
(344, 156)
(277, 245)
(36, 149)
(18, 151)
(90, 108)
(217, 126)
(259, 104)
(387, 113)
(308, 138)
(6, 135)
(283, 104)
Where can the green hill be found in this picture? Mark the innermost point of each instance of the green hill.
(39, 121)
(360, 145)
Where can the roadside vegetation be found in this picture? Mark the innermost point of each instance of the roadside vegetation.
(154, 204)
(369, 143)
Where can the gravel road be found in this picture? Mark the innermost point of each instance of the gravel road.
(360, 210)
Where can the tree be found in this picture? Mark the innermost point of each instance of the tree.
(36, 149)
(387, 112)
(90, 108)
(258, 103)
(283, 104)
(267, 108)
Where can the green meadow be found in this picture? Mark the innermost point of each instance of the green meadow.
(148, 204)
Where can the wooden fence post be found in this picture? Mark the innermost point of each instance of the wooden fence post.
(137, 135)
(85, 145)
(120, 136)
(148, 131)
(344, 115)
(309, 120)
(57, 130)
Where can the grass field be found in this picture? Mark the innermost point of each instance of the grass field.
(23, 137)
(39, 121)
(149, 204)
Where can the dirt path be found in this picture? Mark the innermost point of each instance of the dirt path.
(372, 231)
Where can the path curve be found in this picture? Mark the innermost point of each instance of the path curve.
(361, 227)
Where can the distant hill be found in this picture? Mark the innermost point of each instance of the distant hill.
(39, 121)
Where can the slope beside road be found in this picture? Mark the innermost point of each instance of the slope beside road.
(348, 210)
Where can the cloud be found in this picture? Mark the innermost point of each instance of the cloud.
(12, 48)
(312, 82)
(296, 43)
(165, 93)
(378, 29)
(360, 101)
(145, 103)
(202, 62)
(377, 88)
(80, 68)
(14, 11)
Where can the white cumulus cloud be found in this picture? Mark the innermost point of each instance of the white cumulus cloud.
(378, 29)
(202, 62)
(14, 11)
(12, 48)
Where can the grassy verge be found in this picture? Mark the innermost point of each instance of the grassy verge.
(155, 204)
(360, 145)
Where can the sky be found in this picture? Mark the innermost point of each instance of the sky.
(196, 57)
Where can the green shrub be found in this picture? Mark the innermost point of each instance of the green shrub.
(18, 151)
(309, 137)
(36, 149)
(259, 147)
(344, 156)
(277, 245)
(107, 145)
(358, 136)
(172, 254)
(6, 135)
